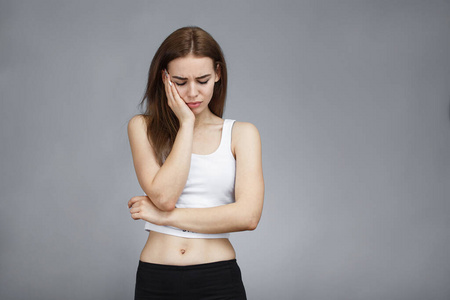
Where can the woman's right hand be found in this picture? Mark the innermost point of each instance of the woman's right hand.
(142, 208)
(176, 103)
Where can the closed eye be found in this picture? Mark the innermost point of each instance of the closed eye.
(183, 83)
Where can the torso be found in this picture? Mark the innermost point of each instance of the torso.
(172, 250)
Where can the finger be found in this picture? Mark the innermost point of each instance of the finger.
(168, 84)
(164, 77)
(136, 216)
(168, 77)
(176, 96)
(129, 203)
(134, 210)
(134, 200)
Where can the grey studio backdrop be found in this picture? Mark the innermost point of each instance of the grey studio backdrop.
(352, 102)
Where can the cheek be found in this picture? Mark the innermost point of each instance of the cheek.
(182, 91)
(208, 89)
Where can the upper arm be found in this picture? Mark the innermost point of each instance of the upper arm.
(249, 186)
(144, 157)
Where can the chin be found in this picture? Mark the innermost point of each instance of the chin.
(197, 112)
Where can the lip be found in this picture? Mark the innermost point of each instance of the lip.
(194, 104)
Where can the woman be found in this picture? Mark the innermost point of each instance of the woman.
(202, 175)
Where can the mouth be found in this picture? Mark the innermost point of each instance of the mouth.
(194, 104)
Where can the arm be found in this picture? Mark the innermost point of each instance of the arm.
(244, 214)
(163, 184)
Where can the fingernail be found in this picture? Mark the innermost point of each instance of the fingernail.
(167, 75)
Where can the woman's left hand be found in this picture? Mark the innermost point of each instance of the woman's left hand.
(142, 208)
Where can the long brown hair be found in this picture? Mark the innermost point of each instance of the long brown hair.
(162, 123)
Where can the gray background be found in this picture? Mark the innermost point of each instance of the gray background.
(352, 102)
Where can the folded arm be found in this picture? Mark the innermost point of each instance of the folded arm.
(162, 184)
(243, 214)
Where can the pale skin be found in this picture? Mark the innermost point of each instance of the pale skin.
(189, 88)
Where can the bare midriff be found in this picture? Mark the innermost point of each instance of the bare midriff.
(172, 250)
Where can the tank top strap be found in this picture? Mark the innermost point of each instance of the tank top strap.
(225, 143)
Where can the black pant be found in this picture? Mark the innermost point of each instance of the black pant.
(217, 280)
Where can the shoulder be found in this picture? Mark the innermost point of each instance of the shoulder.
(245, 135)
(137, 123)
(137, 120)
(244, 130)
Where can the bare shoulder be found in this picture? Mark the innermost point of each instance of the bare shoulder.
(245, 130)
(245, 135)
(139, 141)
(137, 123)
(137, 131)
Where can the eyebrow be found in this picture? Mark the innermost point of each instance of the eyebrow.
(183, 78)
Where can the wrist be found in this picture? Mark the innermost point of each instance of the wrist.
(167, 218)
(187, 123)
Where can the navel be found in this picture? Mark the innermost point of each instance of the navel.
(183, 251)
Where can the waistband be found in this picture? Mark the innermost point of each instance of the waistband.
(218, 264)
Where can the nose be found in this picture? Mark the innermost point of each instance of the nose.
(192, 91)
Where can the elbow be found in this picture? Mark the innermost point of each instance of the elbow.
(249, 218)
(252, 223)
(167, 206)
(164, 202)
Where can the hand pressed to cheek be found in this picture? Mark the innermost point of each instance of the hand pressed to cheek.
(172, 91)
(175, 102)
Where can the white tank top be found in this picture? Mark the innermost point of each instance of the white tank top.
(210, 183)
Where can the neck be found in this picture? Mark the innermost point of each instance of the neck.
(206, 117)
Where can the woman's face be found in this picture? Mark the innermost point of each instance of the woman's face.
(194, 78)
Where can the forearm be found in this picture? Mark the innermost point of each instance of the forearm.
(170, 180)
(226, 218)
